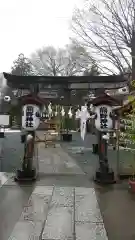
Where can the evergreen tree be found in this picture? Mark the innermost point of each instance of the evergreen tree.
(22, 66)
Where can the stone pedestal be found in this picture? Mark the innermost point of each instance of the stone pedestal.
(103, 177)
(25, 175)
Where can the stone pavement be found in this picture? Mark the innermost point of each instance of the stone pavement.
(116, 202)
(51, 209)
(61, 213)
(57, 161)
(36, 206)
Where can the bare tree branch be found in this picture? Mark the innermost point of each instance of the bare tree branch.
(105, 28)
(71, 60)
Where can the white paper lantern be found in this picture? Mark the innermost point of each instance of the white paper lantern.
(7, 98)
(124, 90)
(30, 125)
(103, 122)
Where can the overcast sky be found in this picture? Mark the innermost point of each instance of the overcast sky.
(26, 25)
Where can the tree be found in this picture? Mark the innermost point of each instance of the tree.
(22, 66)
(94, 71)
(71, 60)
(106, 28)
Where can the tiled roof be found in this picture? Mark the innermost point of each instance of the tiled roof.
(63, 79)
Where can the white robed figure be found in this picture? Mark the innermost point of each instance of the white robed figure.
(83, 115)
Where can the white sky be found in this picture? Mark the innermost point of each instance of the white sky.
(26, 25)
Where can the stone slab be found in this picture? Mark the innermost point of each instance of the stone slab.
(86, 206)
(79, 149)
(4, 177)
(59, 224)
(63, 196)
(50, 212)
(12, 200)
(84, 191)
(57, 161)
(11, 182)
(26, 231)
(34, 214)
(43, 190)
(93, 231)
(36, 209)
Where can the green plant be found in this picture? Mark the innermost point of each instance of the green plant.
(128, 136)
(67, 124)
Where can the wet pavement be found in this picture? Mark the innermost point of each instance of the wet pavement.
(117, 203)
(117, 206)
(64, 203)
(54, 212)
(12, 200)
(58, 162)
(61, 204)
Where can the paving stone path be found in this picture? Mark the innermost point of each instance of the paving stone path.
(48, 212)
(61, 213)
(57, 161)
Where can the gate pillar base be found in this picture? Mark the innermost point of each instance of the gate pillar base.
(25, 175)
(105, 177)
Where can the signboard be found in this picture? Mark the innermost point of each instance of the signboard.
(106, 85)
(20, 93)
(79, 85)
(48, 94)
(96, 85)
(4, 120)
